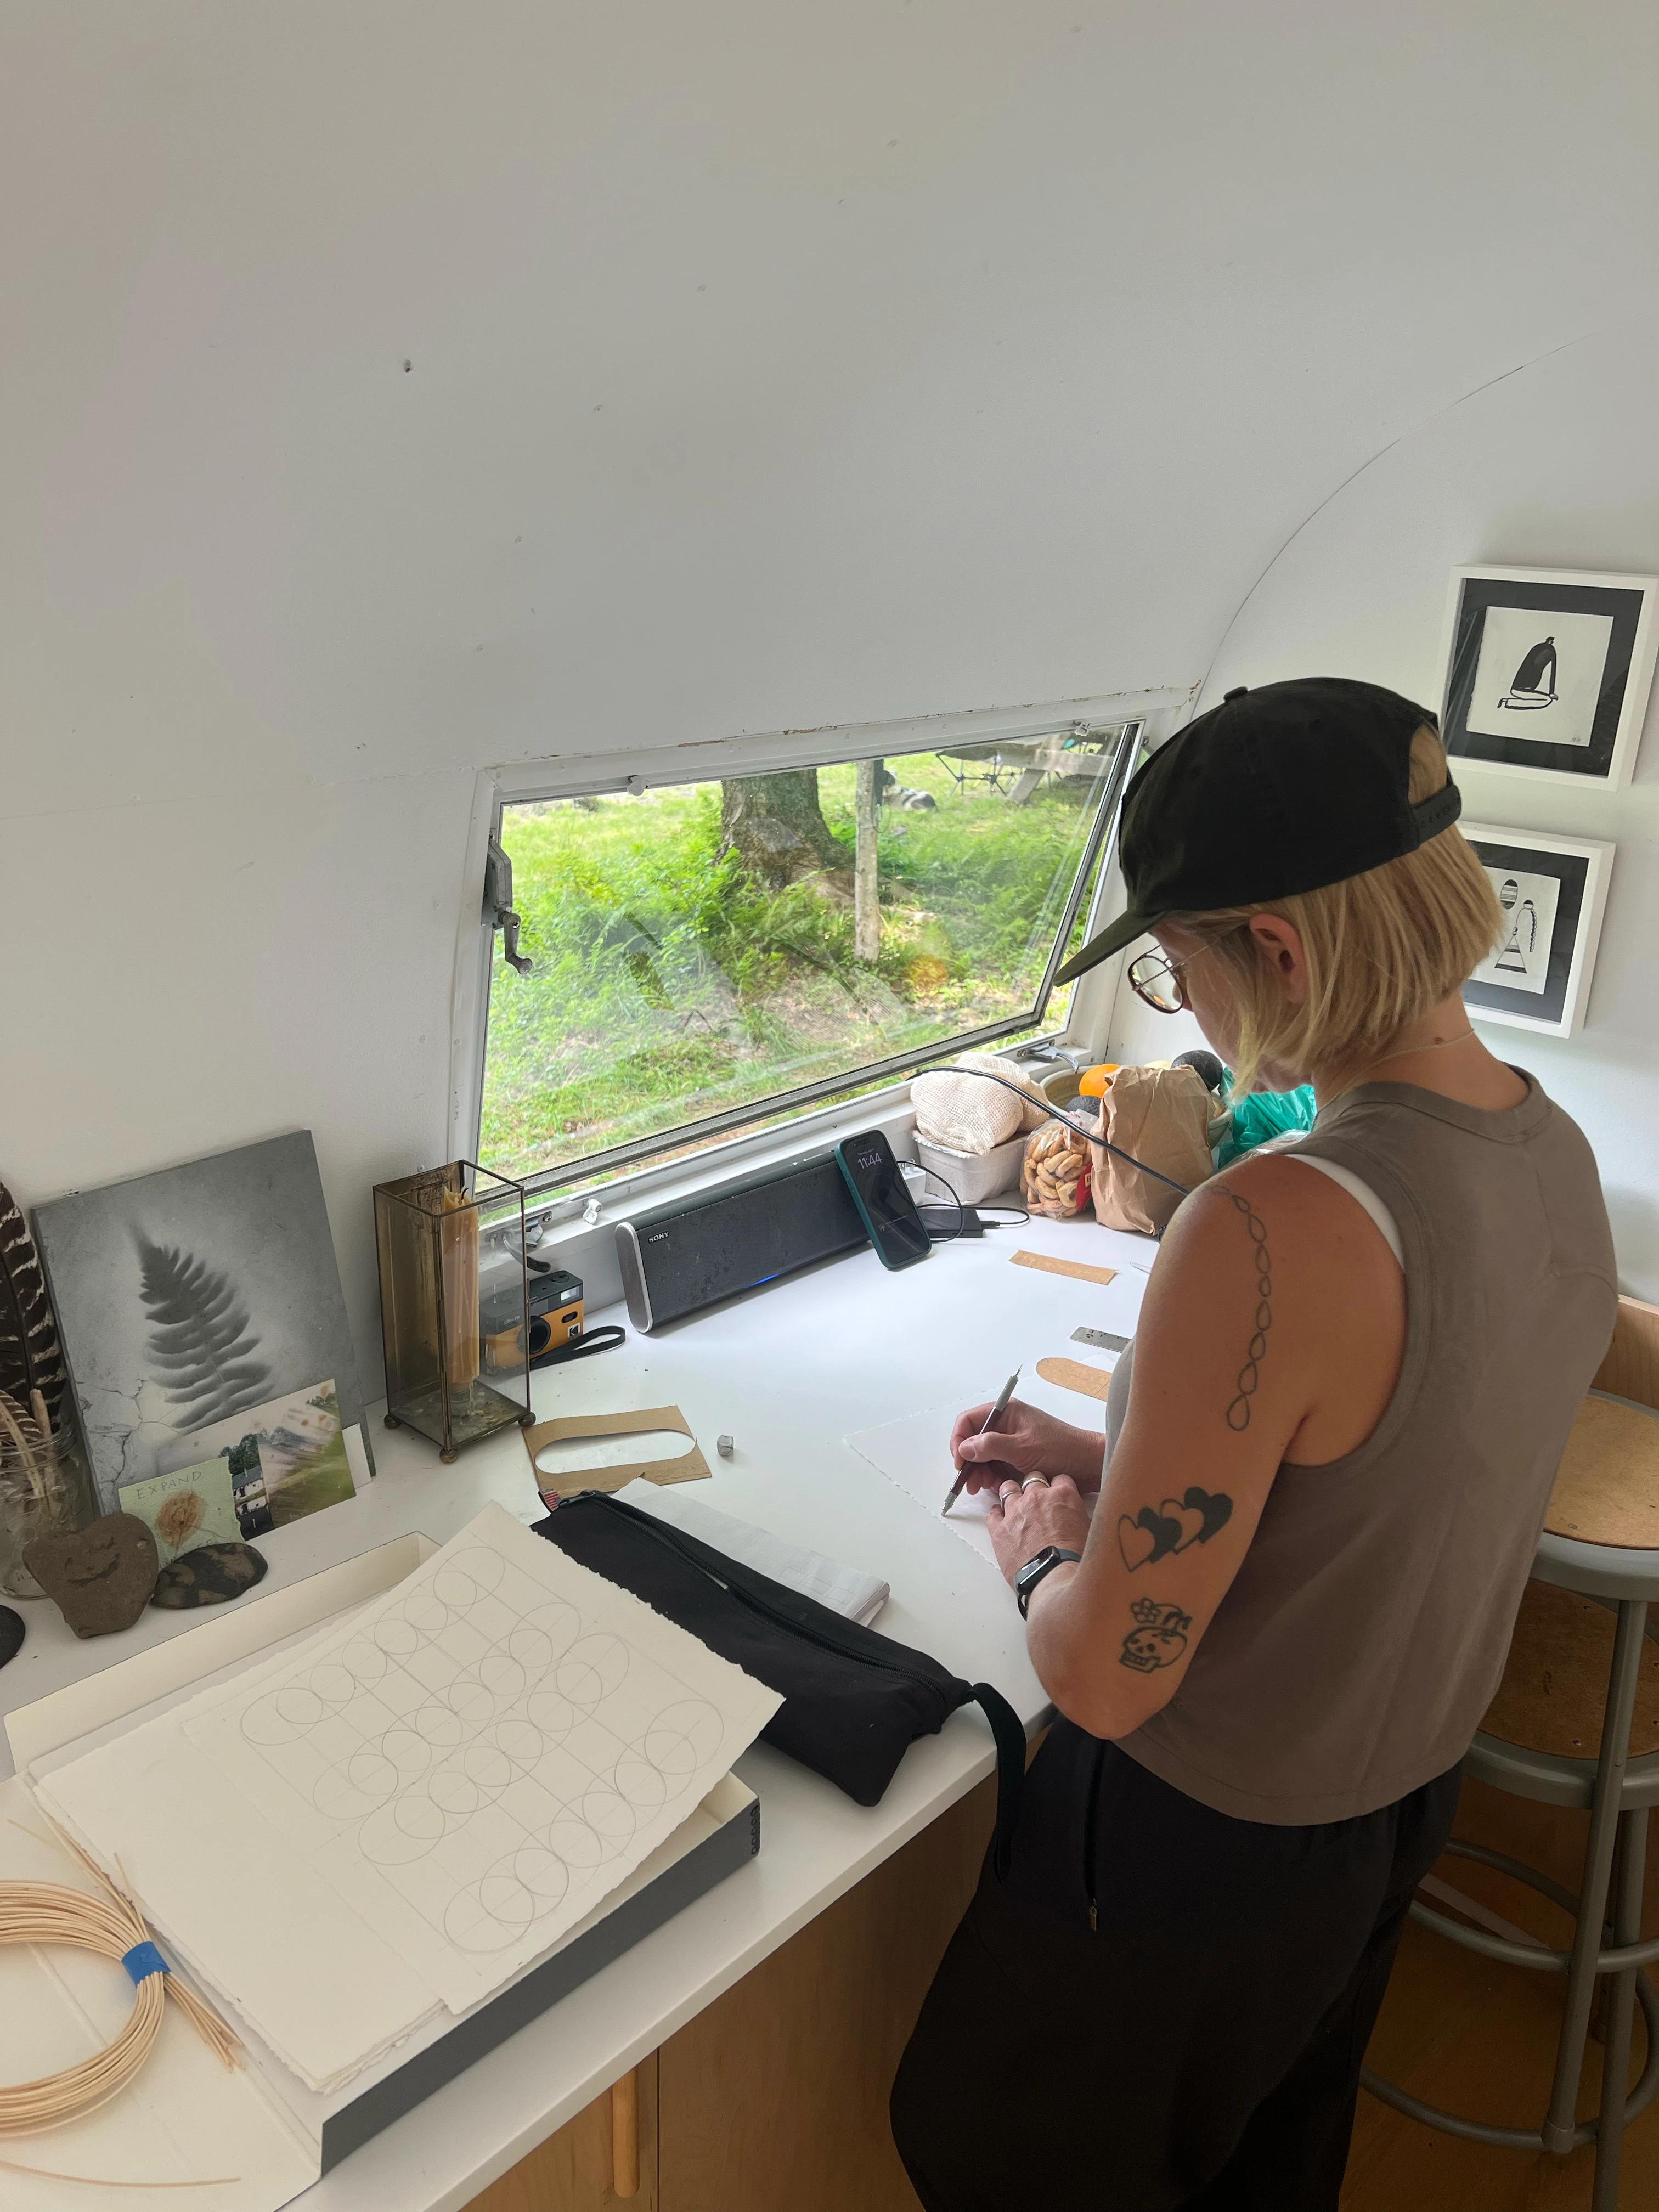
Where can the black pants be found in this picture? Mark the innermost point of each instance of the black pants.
(1199, 2046)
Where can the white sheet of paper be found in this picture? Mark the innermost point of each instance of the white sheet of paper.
(465, 1767)
(915, 1452)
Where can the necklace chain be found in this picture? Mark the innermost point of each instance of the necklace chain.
(1410, 1051)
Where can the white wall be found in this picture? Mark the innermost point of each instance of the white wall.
(1555, 467)
(771, 365)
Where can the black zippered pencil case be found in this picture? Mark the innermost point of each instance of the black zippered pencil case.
(853, 1701)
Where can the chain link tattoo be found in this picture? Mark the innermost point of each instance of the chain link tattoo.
(1239, 1412)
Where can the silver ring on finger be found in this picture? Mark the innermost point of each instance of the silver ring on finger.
(1040, 1481)
(1007, 1489)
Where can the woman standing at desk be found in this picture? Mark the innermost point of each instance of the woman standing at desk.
(1271, 1644)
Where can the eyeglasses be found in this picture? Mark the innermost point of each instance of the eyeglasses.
(1162, 981)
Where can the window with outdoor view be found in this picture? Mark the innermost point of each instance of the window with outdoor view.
(708, 955)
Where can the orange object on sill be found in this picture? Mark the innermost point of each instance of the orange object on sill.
(1096, 1081)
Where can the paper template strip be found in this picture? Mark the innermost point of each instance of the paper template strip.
(1050, 1266)
(1076, 1374)
(691, 1466)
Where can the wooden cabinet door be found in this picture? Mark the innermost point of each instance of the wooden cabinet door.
(775, 2099)
(574, 2170)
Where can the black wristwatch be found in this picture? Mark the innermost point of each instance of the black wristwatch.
(1032, 1573)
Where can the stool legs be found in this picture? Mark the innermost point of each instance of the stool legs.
(1558, 2126)
(1629, 1870)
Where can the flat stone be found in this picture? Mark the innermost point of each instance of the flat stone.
(99, 1578)
(11, 1634)
(209, 1576)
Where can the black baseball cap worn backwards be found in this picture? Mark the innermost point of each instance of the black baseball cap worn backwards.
(1279, 790)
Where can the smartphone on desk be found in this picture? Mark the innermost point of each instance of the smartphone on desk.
(885, 1206)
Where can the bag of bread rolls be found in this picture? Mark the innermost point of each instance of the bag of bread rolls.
(1055, 1176)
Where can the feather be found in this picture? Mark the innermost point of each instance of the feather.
(26, 1455)
(31, 1356)
(202, 1343)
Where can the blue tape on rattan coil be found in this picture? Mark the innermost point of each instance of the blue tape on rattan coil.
(144, 1961)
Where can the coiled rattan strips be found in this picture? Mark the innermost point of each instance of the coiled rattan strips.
(109, 1924)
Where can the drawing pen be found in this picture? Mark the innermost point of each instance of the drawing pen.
(1003, 1397)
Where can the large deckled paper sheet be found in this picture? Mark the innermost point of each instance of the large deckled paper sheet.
(450, 1779)
(150, 1800)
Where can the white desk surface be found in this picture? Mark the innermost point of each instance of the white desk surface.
(790, 1372)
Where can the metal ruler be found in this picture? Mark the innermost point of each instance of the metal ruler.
(1100, 1337)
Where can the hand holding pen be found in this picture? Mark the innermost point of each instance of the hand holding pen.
(1023, 1440)
(1003, 1397)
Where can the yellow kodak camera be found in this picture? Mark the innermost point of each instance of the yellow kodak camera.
(555, 1318)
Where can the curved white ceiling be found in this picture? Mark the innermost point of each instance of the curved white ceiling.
(771, 364)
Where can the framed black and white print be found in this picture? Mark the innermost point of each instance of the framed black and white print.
(1548, 672)
(1552, 891)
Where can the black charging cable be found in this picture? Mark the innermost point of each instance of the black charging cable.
(925, 1207)
(1003, 1217)
(1096, 1136)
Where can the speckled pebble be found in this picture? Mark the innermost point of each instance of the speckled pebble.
(210, 1575)
(11, 1634)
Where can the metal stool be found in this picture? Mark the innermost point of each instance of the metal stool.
(1607, 1495)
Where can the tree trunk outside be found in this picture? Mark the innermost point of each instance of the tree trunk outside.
(774, 826)
(866, 896)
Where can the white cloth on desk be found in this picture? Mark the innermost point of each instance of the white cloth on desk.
(855, 1597)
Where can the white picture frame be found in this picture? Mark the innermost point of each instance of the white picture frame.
(1554, 892)
(1545, 673)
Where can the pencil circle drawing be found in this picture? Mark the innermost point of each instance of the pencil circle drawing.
(364, 1661)
(467, 1577)
(486, 1749)
(335, 1686)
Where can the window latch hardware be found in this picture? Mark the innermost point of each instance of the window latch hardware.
(499, 911)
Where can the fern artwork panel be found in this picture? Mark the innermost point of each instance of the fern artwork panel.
(199, 1299)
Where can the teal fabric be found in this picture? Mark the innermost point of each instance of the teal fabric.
(1264, 1114)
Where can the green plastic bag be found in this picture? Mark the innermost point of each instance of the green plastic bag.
(1263, 1114)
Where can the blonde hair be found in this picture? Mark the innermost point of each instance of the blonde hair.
(1382, 948)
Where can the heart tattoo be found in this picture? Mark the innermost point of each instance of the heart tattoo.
(1157, 1531)
(1159, 1638)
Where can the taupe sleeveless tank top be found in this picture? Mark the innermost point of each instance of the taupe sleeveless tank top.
(1368, 1626)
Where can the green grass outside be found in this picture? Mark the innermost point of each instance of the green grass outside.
(668, 984)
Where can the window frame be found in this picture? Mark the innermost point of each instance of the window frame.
(577, 776)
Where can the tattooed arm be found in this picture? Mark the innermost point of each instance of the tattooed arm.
(1272, 1329)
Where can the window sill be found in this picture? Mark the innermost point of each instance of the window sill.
(588, 1248)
